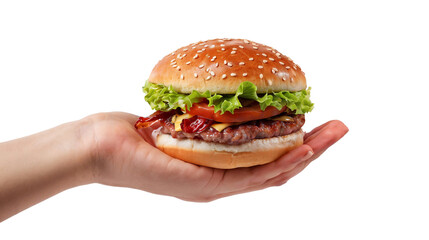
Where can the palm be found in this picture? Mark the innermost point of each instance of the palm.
(125, 160)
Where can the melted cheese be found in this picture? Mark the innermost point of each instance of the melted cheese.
(173, 118)
(221, 126)
(178, 120)
(283, 118)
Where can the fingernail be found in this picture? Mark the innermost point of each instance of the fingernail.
(308, 155)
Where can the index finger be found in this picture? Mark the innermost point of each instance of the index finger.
(326, 135)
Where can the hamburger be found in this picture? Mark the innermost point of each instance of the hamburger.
(226, 103)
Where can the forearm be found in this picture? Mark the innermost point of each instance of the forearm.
(36, 167)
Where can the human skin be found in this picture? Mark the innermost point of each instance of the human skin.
(105, 148)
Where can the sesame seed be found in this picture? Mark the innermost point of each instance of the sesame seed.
(271, 59)
(196, 56)
(172, 54)
(234, 49)
(241, 63)
(246, 41)
(260, 67)
(240, 46)
(199, 51)
(264, 61)
(208, 69)
(208, 77)
(217, 64)
(193, 47)
(261, 76)
(201, 66)
(182, 77)
(244, 74)
(185, 49)
(291, 79)
(255, 47)
(173, 60)
(270, 82)
(269, 49)
(187, 63)
(284, 78)
(282, 63)
(274, 70)
(212, 73)
(233, 52)
(178, 68)
(223, 76)
(225, 62)
(212, 46)
(222, 45)
(206, 46)
(184, 55)
(229, 64)
(196, 75)
(287, 67)
(263, 54)
(278, 55)
(250, 59)
(222, 49)
(294, 67)
(233, 74)
(254, 44)
(175, 66)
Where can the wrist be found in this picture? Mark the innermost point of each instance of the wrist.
(86, 151)
(69, 151)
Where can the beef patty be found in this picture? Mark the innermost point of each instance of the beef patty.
(240, 134)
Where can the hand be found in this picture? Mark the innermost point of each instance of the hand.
(106, 148)
(124, 157)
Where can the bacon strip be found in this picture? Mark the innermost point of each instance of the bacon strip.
(155, 117)
(195, 124)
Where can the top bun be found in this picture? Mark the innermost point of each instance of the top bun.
(220, 65)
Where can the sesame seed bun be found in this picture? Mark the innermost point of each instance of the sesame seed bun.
(220, 65)
(256, 152)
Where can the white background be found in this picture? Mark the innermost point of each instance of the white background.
(367, 63)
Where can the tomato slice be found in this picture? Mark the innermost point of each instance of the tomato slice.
(244, 114)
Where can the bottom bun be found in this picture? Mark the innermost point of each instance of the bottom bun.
(216, 155)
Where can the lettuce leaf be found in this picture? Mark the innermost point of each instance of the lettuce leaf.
(165, 98)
